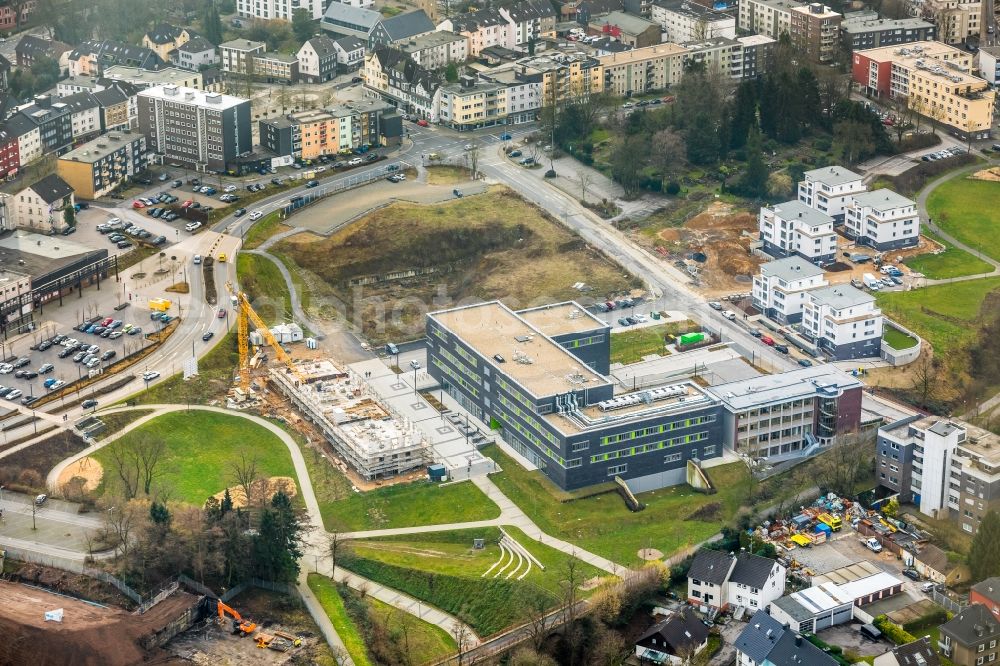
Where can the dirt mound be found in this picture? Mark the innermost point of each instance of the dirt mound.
(88, 635)
(721, 216)
(87, 469)
(992, 173)
(285, 484)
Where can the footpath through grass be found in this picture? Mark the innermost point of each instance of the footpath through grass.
(329, 598)
(945, 315)
(969, 210)
(603, 525)
(200, 450)
(951, 263)
(445, 570)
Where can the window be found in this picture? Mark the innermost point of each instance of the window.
(617, 469)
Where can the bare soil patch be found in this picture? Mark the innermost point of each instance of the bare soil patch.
(992, 174)
(650, 554)
(285, 484)
(87, 469)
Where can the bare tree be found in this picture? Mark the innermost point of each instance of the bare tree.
(336, 546)
(925, 378)
(245, 473)
(149, 450)
(586, 178)
(460, 633)
(841, 467)
(472, 155)
(119, 521)
(126, 467)
(537, 614)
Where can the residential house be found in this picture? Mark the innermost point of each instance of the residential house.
(346, 21)
(10, 158)
(29, 48)
(956, 20)
(688, 21)
(85, 118)
(675, 640)
(632, 30)
(318, 59)
(642, 71)
(720, 580)
(14, 15)
(119, 106)
(530, 20)
(237, 55)
(766, 642)
(767, 17)
(350, 53)
(717, 54)
(195, 54)
(93, 57)
(437, 49)
(920, 652)
(935, 565)
(104, 164)
(4, 73)
(481, 29)
(758, 55)
(164, 38)
(389, 31)
(29, 138)
(781, 287)
(882, 219)
(794, 228)
(40, 205)
(987, 593)
(523, 98)
(275, 67)
(471, 104)
(312, 134)
(54, 120)
(393, 76)
(971, 637)
(843, 322)
(829, 190)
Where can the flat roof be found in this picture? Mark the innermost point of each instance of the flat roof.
(430, 40)
(531, 358)
(100, 147)
(884, 199)
(791, 385)
(832, 175)
(756, 40)
(645, 53)
(867, 24)
(159, 76)
(796, 210)
(182, 95)
(850, 573)
(39, 255)
(841, 296)
(693, 9)
(808, 9)
(562, 318)
(790, 268)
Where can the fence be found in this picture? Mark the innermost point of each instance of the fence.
(945, 601)
(336, 187)
(76, 566)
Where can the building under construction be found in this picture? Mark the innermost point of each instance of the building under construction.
(366, 433)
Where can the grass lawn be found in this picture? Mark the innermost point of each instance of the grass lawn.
(630, 346)
(945, 315)
(215, 376)
(603, 525)
(405, 505)
(951, 263)
(117, 421)
(200, 449)
(328, 596)
(446, 174)
(897, 339)
(265, 287)
(266, 227)
(444, 570)
(423, 642)
(969, 210)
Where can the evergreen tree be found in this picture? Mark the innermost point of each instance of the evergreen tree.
(451, 72)
(69, 216)
(227, 503)
(277, 544)
(744, 113)
(159, 514)
(753, 182)
(302, 25)
(211, 24)
(984, 554)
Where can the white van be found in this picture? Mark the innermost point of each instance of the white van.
(872, 544)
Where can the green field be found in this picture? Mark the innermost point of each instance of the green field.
(118, 420)
(329, 598)
(944, 315)
(423, 642)
(265, 227)
(444, 570)
(630, 346)
(969, 210)
(897, 339)
(951, 263)
(201, 447)
(406, 505)
(603, 525)
(265, 287)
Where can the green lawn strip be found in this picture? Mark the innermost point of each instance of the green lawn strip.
(943, 314)
(301, 288)
(969, 210)
(265, 227)
(630, 346)
(329, 598)
(119, 420)
(603, 525)
(444, 570)
(407, 505)
(951, 263)
(265, 286)
(555, 562)
(215, 376)
(424, 642)
(897, 339)
(201, 447)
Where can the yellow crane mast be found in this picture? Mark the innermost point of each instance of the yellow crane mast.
(244, 315)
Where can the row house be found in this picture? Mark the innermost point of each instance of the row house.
(393, 76)
(482, 29)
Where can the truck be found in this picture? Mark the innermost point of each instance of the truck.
(833, 521)
(871, 282)
(691, 338)
(159, 304)
(801, 540)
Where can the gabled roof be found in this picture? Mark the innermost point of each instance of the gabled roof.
(4, 64)
(759, 637)
(339, 13)
(527, 10)
(350, 43)
(794, 650)
(403, 26)
(164, 33)
(917, 653)
(679, 632)
(32, 47)
(409, 71)
(935, 558)
(111, 96)
(80, 101)
(196, 44)
(972, 625)
(473, 21)
(711, 566)
(18, 125)
(752, 570)
(52, 188)
(989, 588)
(109, 52)
(322, 45)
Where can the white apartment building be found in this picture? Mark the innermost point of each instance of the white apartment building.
(29, 146)
(829, 189)
(524, 99)
(530, 20)
(795, 228)
(687, 21)
(780, 289)
(883, 219)
(767, 17)
(843, 322)
(278, 9)
(482, 29)
(237, 55)
(436, 49)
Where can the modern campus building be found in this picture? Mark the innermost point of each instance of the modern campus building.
(944, 466)
(781, 288)
(278, 9)
(843, 322)
(203, 131)
(882, 219)
(537, 378)
(99, 166)
(829, 189)
(794, 228)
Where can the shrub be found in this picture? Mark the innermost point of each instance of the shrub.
(673, 188)
(822, 144)
(893, 631)
(934, 618)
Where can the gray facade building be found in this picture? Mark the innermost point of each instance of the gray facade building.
(866, 30)
(204, 131)
(534, 377)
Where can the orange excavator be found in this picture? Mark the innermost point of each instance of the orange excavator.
(240, 626)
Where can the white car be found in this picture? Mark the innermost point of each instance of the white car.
(70, 342)
(150, 375)
(355, 161)
(256, 215)
(192, 226)
(115, 335)
(229, 188)
(14, 395)
(93, 363)
(6, 369)
(872, 544)
(58, 384)
(729, 314)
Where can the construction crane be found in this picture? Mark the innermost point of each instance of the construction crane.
(245, 314)
(240, 626)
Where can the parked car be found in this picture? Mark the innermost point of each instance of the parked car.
(767, 340)
(514, 153)
(354, 161)
(715, 305)
(805, 363)
(192, 226)
(729, 314)
(623, 321)
(912, 574)
(781, 348)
